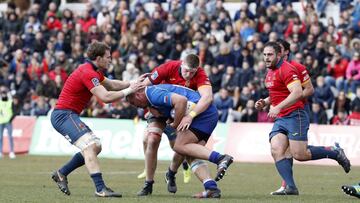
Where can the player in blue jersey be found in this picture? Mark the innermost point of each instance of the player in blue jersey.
(191, 137)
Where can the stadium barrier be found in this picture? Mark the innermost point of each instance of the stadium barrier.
(247, 142)
(22, 132)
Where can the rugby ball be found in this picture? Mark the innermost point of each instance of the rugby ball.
(189, 107)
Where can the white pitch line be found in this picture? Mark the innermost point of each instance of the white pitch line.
(78, 172)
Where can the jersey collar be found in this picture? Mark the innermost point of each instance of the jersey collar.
(92, 64)
(279, 63)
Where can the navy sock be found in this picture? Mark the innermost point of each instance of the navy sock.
(215, 157)
(322, 152)
(150, 182)
(98, 181)
(76, 161)
(185, 165)
(210, 184)
(171, 173)
(285, 170)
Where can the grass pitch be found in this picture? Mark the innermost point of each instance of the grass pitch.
(27, 179)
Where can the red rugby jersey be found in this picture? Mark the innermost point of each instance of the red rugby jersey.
(76, 94)
(170, 73)
(277, 81)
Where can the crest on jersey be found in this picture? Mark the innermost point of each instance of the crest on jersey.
(95, 82)
(154, 75)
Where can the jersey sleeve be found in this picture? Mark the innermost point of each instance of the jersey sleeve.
(290, 75)
(160, 73)
(202, 78)
(92, 79)
(304, 74)
(159, 96)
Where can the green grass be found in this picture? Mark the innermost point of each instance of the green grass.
(27, 179)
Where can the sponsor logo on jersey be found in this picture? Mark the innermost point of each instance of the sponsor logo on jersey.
(154, 75)
(95, 82)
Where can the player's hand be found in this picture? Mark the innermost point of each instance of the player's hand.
(260, 104)
(135, 86)
(185, 123)
(273, 112)
(143, 77)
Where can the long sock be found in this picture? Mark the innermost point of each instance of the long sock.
(285, 170)
(76, 161)
(318, 152)
(291, 160)
(98, 181)
(209, 184)
(215, 157)
(185, 165)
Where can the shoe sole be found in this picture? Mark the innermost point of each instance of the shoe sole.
(221, 174)
(55, 179)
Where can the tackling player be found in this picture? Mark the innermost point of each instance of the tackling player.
(87, 80)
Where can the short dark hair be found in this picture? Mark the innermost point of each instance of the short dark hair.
(192, 61)
(284, 43)
(274, 45)
(96, 49)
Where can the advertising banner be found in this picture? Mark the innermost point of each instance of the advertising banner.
(22, 131)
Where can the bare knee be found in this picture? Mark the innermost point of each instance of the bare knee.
(153, 141)
(178, 148)
(277, 152)
(300, 156)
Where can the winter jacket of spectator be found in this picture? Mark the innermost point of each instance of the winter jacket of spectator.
(354, 118)
(86, 23)
(223, 105)
(323, 94)
(355, 103)
(353, 70)
(215, 80)
(48, 90)
(339, 70)
(318, 118)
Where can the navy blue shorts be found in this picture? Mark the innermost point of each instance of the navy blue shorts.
(68, 123)
(295, 126)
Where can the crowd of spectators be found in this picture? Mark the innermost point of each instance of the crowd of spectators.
(41, 46)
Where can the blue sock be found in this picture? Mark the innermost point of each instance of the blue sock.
(285, 170)
(322, 152)
(76, 161)
(210, 184)
(98, 181)
(215, 157)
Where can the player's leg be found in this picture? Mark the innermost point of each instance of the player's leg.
(201, 170)
(155, 130)
(186, 143)
(90, 146)
(283, 183)
(143, 174)
(279, 144)
(301, 151)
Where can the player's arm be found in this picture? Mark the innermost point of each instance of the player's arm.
(206, 99)
(262, 103)
(308, 89)
(179, 104)
(295, 90)
(110, 96)
(114, 85)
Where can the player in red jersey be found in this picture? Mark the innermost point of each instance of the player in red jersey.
(87, 80)
(307, 90)
(291, 122)
(185, 73)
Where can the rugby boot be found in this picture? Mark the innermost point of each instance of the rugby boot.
(216, 193)
(171, 183)
(107, 192)
(61, 181)
(223, 165)
(342, 159)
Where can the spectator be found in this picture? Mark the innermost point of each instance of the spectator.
(46, 87)
(336, 70)
(249, 113)
(356, 101)
(7, 115)
(223, 103)
(230, 80)
(323, 93)
(215, 79)
(341, 118)
(353, 73)
(317, 114)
